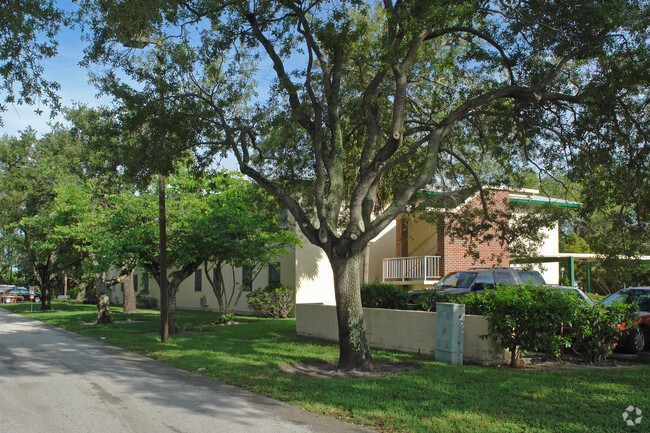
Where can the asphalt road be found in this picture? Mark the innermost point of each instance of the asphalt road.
(53, 381)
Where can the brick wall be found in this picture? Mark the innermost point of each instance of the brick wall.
(454, 251)
(402, 237)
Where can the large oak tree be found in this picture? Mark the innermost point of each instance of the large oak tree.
(344, 110)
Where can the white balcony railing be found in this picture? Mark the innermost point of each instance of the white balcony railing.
(412, 269)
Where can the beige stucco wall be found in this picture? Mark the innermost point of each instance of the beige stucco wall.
(188, 298)
(551, 247)
(381, 247)
(423, 238)
(305, 268)
(313, 274)
(406, 331)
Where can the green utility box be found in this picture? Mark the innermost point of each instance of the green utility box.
(450, 329)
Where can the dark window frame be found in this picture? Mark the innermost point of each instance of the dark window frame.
(275, 276)
(247, 278)
(198, 281)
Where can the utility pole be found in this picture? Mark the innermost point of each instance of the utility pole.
(164, 299)
(140, 43)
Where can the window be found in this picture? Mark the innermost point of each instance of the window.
(216, 278)
(457, 280)
(274, 274)
(531, 277)
(145, 277)
(135, 283)
(501, 277)
(198, 279)
(484, 280)
(247, 278)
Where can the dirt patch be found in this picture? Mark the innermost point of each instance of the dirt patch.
(327, 370)
(532, 362)
(544, 362)
(116, 322)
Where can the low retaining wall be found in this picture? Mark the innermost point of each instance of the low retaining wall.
(401, 330)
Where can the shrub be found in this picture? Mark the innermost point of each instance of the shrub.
(474, 302)
(530, 318)
(90, 296)
(427, 301)
(272, 301)
(596, 329)
(146, 302)
(380, 295)
(143, 300)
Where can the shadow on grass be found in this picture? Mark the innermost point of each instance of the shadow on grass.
(437, 397)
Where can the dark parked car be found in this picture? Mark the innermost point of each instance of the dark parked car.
(636, 340)
(478, 280)
(21, 294)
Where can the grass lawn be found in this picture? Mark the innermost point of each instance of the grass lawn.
(435, 398)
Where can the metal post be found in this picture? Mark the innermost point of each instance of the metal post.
(588, 277)
(164, 300)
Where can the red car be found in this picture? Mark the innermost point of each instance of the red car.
(638, 339)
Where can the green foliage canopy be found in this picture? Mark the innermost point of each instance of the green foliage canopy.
(372, 102)
(27, 36)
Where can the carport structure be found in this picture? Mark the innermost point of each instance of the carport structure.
(568, 260)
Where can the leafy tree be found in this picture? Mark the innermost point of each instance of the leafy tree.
(573, 243)
(613, 169)
(612, 270)
(374, 102)
(27, 36)
(220, 218)
(12, 254)
(242, 228)
(31, 171)
(85, 199)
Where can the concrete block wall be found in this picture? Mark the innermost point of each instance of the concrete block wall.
(405, 331)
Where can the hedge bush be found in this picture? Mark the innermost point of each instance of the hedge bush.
(525, 318)
(144, 301)
(597, 331)
(474, 302)
(272, 301)
(530, 318)
(381, 295)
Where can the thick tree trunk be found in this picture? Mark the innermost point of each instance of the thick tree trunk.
(353, 343)
(81, 294)
(129, 295)
(103, 301)
(172, 289)
(219, 290)
(46, 294)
